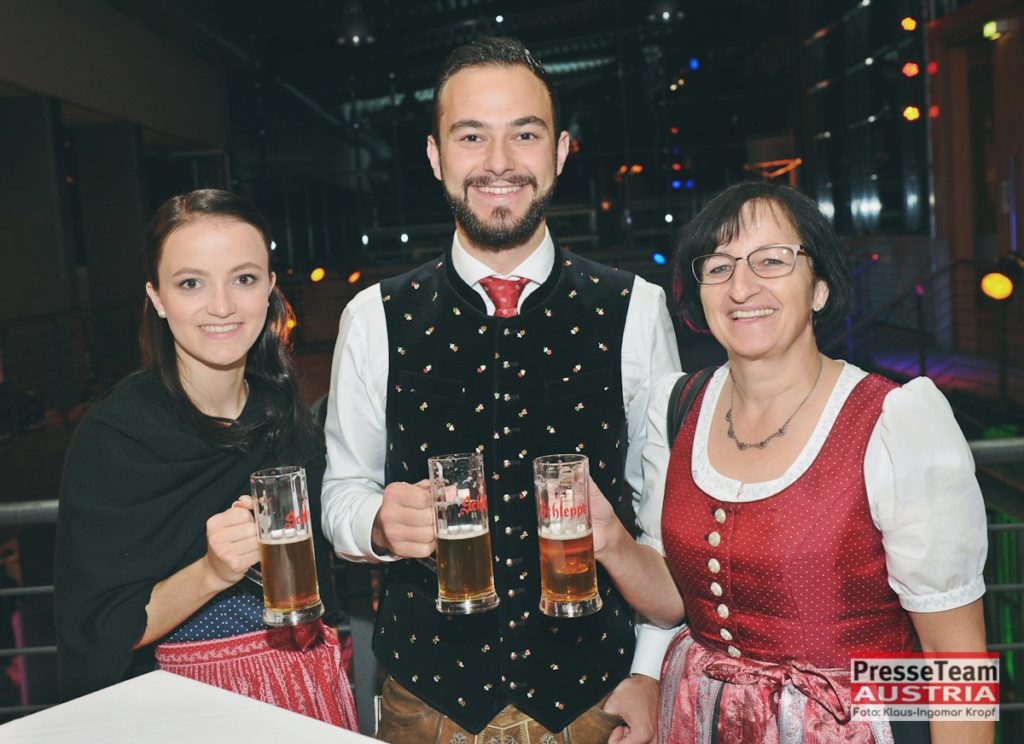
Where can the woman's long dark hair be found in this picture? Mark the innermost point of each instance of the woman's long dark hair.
(285, 420)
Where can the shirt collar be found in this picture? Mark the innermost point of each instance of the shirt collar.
(536, 267)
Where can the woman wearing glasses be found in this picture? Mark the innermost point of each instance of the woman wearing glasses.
(807, 512)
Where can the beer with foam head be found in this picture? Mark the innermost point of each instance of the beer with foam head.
(465, 581)
(568, 571)
(464, 565)
(289, 574)
(290, 592)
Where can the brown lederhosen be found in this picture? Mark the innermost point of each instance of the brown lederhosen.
(405, 719)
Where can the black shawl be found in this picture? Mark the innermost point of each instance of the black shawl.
(138, 487)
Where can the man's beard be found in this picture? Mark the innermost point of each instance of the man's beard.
(499, 231)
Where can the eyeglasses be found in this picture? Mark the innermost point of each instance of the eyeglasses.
(767, 262)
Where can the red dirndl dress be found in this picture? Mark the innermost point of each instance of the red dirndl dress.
(780, 593)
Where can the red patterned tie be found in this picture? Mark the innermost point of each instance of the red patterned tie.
(504, 293)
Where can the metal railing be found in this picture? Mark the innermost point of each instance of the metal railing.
(1000, 593)
(357, 582)
(938, 319)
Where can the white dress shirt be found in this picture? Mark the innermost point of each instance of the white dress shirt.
(919, 474)
(356, 428)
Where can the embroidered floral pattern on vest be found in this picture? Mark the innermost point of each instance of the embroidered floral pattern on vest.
(544, 381)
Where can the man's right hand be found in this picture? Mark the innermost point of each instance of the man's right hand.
(404, 525)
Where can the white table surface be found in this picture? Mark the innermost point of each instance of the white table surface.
(161, 707)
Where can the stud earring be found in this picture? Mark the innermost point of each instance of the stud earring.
(161, 313)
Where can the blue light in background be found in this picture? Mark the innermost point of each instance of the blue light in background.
(689, 183)
(659, 258)
(694, 63)
(677, 185)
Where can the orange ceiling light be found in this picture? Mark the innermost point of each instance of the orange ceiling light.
(769, 169)
(997, 285)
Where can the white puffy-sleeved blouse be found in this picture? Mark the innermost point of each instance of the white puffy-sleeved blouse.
(919, 473)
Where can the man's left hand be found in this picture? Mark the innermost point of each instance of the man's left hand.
(635, 700)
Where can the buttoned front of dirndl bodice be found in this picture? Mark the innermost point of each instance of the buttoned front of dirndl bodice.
(798, 576)
(545, 381)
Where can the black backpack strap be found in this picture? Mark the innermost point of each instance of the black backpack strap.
(684, 392)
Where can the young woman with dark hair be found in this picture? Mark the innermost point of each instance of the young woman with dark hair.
(155, 532)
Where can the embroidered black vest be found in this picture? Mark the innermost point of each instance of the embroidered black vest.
(546, 381)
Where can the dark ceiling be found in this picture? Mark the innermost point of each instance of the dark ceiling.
(332, 99)
(346, 60)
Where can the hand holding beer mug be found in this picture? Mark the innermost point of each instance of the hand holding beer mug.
(568, 573)
(291, 595)
(465, 582)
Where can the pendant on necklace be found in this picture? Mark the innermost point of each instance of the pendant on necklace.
(781, 431)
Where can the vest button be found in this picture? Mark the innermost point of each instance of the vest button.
(733, 652)
(715, 539)
(720, 515)
(714, 566)
(716, 588)
(726, 635)
(723, 611)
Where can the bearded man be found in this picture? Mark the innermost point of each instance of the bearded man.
(514, 348)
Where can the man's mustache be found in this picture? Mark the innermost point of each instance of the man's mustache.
(513, 180)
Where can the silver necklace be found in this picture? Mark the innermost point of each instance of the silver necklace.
(781, 431)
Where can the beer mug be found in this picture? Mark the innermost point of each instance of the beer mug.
(465, 582)
(291, 595)
(568, 573)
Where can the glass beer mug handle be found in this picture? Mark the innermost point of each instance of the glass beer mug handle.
(253, 574)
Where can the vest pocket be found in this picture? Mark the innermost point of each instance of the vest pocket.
(432, 386)
(576, 386)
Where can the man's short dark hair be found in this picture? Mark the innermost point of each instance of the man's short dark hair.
(491, 51)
